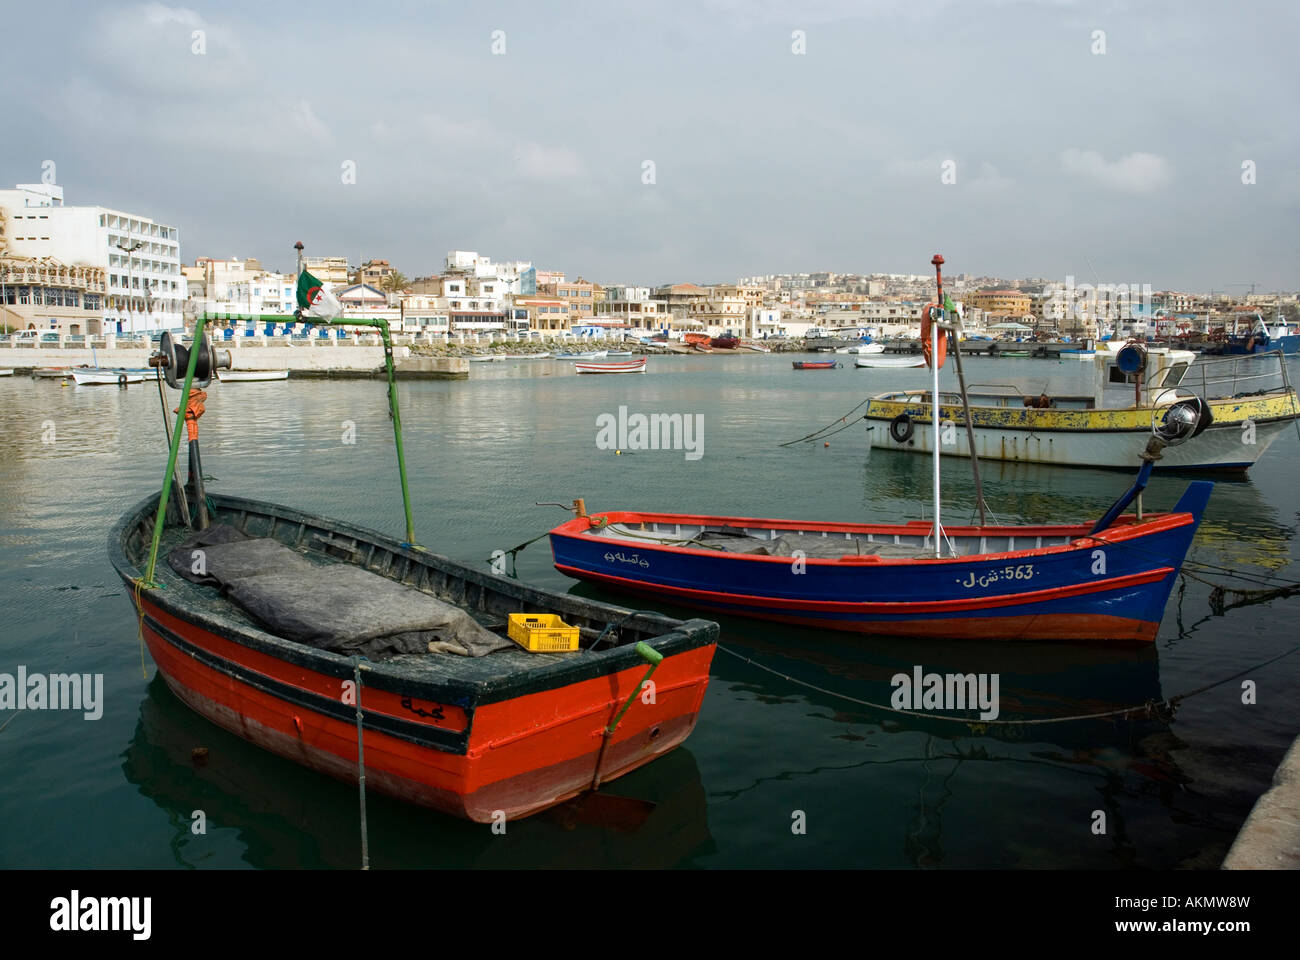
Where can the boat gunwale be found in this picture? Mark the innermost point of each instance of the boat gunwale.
(678, 636)
(1118, 532)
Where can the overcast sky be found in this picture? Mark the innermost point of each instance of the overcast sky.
(765, 160)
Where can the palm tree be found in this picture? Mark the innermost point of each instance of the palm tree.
(395, 282)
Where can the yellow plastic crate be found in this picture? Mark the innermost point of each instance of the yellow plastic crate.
(542, 633)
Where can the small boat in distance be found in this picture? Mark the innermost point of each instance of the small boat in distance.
(891, 363)
(6, 373)
(814, 364)
(250, 376)
(725, 342)
(756, 347)
(588, 355)
(102, 376)
(624, 366)
(618, 353)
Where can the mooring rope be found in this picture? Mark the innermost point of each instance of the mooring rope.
(361, 768)
(1160, 709)
(834, 423)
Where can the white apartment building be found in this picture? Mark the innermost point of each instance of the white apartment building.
(263, 293)
(506, 275)
(145, 289)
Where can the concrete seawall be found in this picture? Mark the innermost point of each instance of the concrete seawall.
(294, 359)
(1270, 837)
(342, 362)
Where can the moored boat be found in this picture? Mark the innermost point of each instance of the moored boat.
(588, 355)
(814, 364)
(890, 363)
(992, 582)
(371, 659)
(6, 373)
(725, 342)
(102, 376)
(1249, 399)
(1106, 580)
(250, 376)
(626, 366)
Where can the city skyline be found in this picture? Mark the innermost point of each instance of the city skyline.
(1063, 160)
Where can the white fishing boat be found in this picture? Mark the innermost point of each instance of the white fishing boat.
(489, 358)
(6, 373)
(101, 376)
(757, 348)
(624, 366)
(618, 353)
(891, 363)
(249, 376)
(863, 349)
(1250, 401)
(1079, 354)
(587, 355)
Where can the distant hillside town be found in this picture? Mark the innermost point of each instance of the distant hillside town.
(84, 270)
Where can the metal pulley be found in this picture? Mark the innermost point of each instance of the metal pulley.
(174, 359)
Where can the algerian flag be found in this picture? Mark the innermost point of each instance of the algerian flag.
(315, 300)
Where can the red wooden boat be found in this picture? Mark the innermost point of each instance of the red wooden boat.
(725, 342)
(620, 366)
(511, 731)
(696, 339)
(262, 619)
(815, 364)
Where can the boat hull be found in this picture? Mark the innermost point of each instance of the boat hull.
(1111, 588)
(628, 366)
(510, 747)
(253, 376)
(890, 363)
(103, 378)
(1086, 438)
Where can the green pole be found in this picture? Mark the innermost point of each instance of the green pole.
(397, 431)
(651, 656)
(148, 581)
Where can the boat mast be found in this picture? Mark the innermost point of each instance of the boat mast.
(934, 398)
(965, 401)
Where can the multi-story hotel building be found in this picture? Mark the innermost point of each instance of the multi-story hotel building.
(1000, 303)
(140, 258)
(579, 294)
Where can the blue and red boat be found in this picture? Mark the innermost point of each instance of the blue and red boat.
(1065, 582)
(1109, 580)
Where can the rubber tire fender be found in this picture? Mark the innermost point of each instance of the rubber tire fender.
(901, 428)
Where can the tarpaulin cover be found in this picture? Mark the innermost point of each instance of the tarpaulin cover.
(332, 606)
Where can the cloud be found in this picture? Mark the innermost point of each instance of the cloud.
(540, 162)
(1135, 173)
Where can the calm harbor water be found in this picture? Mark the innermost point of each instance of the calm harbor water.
(877, 789)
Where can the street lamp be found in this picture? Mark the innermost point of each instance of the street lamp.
(129, 249)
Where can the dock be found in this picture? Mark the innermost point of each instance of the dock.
(1270, 837)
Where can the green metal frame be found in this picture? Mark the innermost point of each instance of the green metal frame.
(147, 581)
